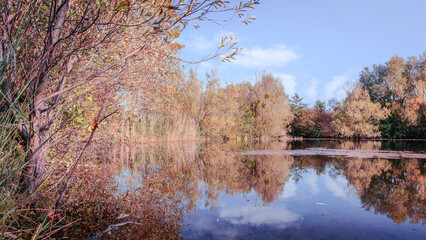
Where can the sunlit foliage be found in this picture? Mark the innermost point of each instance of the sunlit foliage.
(359, 117)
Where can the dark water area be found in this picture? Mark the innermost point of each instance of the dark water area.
(394, 145)
(284, 190)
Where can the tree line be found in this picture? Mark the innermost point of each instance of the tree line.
(386, 101)
(195, 108)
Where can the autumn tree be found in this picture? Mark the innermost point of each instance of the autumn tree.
(373, 80)
(245, 125)
(191, 91)
(167, 108)
(310, 122)
(271, 107)
(359, 117)
(55, 51)
(220, 109)
(303, 122)
(243, 110)
(399, 85)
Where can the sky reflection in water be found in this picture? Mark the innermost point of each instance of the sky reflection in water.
(315, 203)
(271, 195)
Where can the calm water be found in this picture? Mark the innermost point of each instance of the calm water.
(289, 190)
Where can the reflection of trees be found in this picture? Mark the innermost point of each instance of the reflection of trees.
(359, 145)
(170, 178)
(393, 188)
(270, 175)
(236, 174)
(360, 172)
(338, 144)
(415, 146)
(398, 192)
(151, 208)
(302, 163)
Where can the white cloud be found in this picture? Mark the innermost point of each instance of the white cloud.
(311, 90)
(335, 87)
(289, 83)
(266, 57)
(201, 44)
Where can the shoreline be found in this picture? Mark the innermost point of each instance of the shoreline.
(277, 139)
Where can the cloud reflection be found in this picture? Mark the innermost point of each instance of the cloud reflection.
(311, 181)
(290, 189)
(278, 217)
(337, 186)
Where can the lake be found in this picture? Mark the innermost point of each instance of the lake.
(278, 190)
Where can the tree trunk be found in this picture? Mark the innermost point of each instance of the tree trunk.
(37, 142)
(37, 147)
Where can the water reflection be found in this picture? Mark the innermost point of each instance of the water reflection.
(227, 195)
(258, 216)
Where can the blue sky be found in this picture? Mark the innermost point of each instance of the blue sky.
(315, 47)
